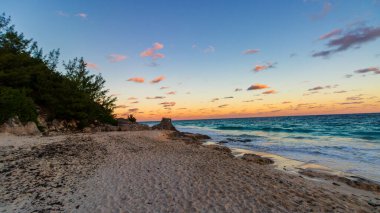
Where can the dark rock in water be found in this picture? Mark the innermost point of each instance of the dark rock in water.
(165, 124)
(238, 140)
(257, 159)
(222, 142)
(190, 137)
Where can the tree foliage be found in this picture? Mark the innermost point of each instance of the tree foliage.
(30, 77)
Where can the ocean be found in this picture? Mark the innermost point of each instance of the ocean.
(348, 143)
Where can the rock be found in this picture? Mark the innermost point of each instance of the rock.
(87, 130)
(165, 124)
(134, 127)
(14, 126)
(110, 128)
(257, 159)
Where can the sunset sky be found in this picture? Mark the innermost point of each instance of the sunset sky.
(218, 58)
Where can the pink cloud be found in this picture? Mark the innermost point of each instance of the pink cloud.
(116, 57)
(82, 15)
(168, 104)
(250, 51)
(171, 93)
(158, 55)
(132, 98)
(270, 92)
(259, 68)
(156, 97)
(92, 65)
(158, 79)
(147, 53)
(164, 87)
(137, 80)
(257, 87)
(330, 34)
(158, 46)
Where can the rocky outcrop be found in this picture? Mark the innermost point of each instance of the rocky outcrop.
(165, 124)
(14, 126)
(257, 159)
(134, 127)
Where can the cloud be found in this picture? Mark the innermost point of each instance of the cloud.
(164, 87)
(228, 97)
(61, 13)
(350, 38)
(222, 106)
(327, 6)
(132, 98)
(215, 99)
(348, 76)
(257, 87)
(156, 97)
(133, 110)
(292, 55)
(268, 65)
(137, 80)
(251, 51)
(330, 34)
(158, 46)
(116, 58)
(158, 79)
(375, 70)
(249, 101)
(286, 102)
(209, 49)
(270, 92)
(355, 102)
(355, 98)
(121, 106)
(92, 65)
(341, 91)
(152, 64)
(238, 89)
(323, 87)
(135, 102)
(168, 104)
(171, 93)
(151, 52)
(82, 15)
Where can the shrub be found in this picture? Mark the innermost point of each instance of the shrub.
(14, 102)
(131, 118)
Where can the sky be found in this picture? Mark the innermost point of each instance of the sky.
(205, 59)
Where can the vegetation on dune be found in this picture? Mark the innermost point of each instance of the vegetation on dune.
(29, 80)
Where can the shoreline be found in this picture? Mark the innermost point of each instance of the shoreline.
(151, 171)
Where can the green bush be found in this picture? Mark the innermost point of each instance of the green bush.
(131, 118)
(14, 102)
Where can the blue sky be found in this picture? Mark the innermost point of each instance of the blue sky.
(202, 52)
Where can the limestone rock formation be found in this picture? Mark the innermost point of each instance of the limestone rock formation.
(165, 124)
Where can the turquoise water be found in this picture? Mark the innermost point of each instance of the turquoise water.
(349, 143)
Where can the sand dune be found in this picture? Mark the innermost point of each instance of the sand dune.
(147, 172)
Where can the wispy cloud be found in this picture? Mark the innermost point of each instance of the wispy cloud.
(348, 76)
(257, 87)
(135, 102)
(355, 98)
(137, 80)
(327, 6)
(374, 70)
(222, 106)
(349, 103)
(164, 87)
(251, 51)
(323, 87)
(155, 97)
(238, 89)
(171, 93)
(340, 91)
(116, 58)
(215, 99)
(350, 38)
(82, 15)
(168, 104)
(92, 65)
(158, 79)
(228, 97)
(151, 52)
(209, 49)
(330, 34)
(132, 98)
(286, 102)
(64, 14)
(262, 67)
(133, 110)
(270, 92)
(121, 106)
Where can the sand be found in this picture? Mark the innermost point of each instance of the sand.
(145, 171)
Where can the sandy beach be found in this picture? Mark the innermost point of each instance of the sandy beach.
(148, 171)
